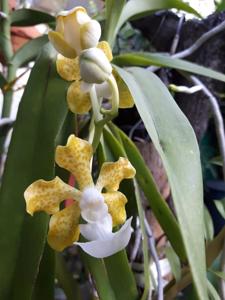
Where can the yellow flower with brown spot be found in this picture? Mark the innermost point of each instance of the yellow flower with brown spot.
(101, 210)
(75, 31)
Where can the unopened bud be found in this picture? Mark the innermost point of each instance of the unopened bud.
(94, 66)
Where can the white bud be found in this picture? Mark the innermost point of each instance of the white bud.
(90, 34)
(94, 66)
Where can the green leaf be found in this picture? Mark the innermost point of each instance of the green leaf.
(219, 274)
(176, 143)
(208, 225)
(29, 17)
(113, 12)
(120, 276)
(146, 59)
(29, 51)
(220, 205)
(69, 284)
(212, 291)
(145, 244)
(45, 282)
(220, 5)
(139, 8)
(174, 262)
(31, 156)
(148, 185)
(98, 271)
(214, 247)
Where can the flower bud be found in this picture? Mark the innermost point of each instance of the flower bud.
(94, 66)
(90, 34)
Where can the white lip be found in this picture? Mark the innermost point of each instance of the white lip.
(108, 247)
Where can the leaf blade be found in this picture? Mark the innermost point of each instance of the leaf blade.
(136, 8)
(161, 117)
(30, 157)
(162, 60)
(29, 17)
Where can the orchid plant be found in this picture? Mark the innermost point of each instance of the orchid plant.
(74, 179)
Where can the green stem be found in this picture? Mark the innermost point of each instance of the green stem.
(7, 51)
(7, 103)
(95, 104)
(98, 130)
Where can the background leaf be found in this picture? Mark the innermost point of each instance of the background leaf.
(31, 156)
(171, 134)
(113, 12)
(29, 17)
(45, 283)
(139, 8)
(29, 51)
(147, 59)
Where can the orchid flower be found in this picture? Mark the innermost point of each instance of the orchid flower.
(77, 36)
(75, 31)
(101, 211)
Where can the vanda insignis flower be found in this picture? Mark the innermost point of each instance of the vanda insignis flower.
(77, 37)
(101, 210)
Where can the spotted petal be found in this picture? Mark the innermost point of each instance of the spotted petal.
(78, 101)
(75, 157)
(46, 196)
(112, 174)
(105, 47)
(61, 45)
(105, 247)
(126, 99)
(64, 227)
(68, 68)
(116, 206)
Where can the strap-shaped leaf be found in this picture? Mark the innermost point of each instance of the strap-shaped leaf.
(139, 8)
(113, 12)
(146, 59)
(176, 143)
(29, 17)
(29, 51)
(30, 157)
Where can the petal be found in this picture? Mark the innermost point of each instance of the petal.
(116, 206)
(112, 173)
(67, 68)
(79, 102)
(107, 247)
(46, 196)
(64, 227)
(90, 33)
(126, 99)
(75, 157)
(73, 20)
(59, 25)
(61, 45)
(105, 47)
(98, 231)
